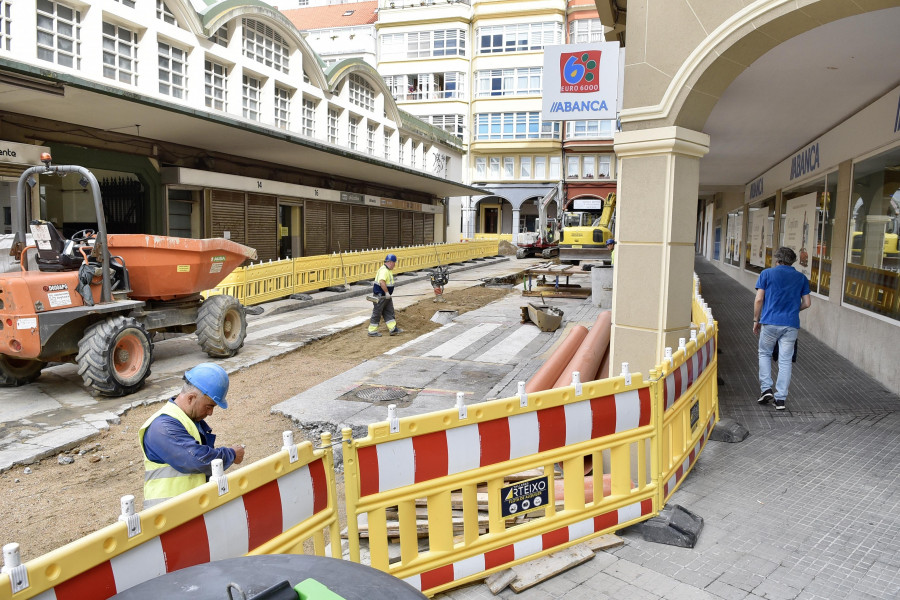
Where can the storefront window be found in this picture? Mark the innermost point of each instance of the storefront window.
(807, 226)
(873, 262)
(733, 231)
(760, 232)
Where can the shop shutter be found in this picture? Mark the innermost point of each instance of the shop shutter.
(376, 228)
(340, 228)
(429, 229)
(262, 225)
(315, 217)
(418, 229)
(227, 214)
(391, 229)
(359, 228)
(13, 172)
(406, 229)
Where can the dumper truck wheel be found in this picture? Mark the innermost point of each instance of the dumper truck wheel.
(221, 326)
(19, 371)
(114, 356)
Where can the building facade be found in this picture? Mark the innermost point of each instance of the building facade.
(475, 69)
(215, 119)
(747, 126)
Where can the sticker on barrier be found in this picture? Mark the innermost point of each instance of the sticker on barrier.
(524, 496)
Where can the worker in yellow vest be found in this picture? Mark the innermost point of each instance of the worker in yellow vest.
(611, 246)
(177, 444)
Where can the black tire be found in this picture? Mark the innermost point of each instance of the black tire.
(221, 326)
(19, 371)
(114, 356)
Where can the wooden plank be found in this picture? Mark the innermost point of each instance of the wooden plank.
(532, 573)
(605, 542)
(456, 501)
(583, 293)
(500, 580)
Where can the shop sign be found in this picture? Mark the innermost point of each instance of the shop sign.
(805, 162)
(21, 154)
(581, 81)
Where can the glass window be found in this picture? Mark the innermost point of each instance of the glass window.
(362, 93)
(216, 76)
(554, 167)
(252, 89)
(387, 143)
(5, 24)
(584, 31)
(518, 37)
(333, 121)
(514, 126)
(220, 37)
(265, 45)
(58, 34)
(540, 167)
(760, 234)
(733, 235)
(282, 108)
(164, 14)
(423, 44)
(572, 167)
(604, 166)
(526, 81)
(587, 163)
(309, 117)
(353, 132)
(172, 62)
(119, 53)
(495, 167)
(872, 280)
(480, 168)
(371, 130)
(525, 167)
(804, 215)
(401, 151)
(509, 167)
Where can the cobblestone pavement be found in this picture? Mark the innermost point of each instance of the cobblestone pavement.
(806, 508)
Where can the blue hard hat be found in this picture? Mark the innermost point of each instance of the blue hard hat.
(390, 258)
(610, 241)
(211, 379)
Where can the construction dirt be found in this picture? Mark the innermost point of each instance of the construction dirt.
(57, 503)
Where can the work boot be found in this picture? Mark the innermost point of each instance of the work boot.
(396, 330)
(375, 334)
(766, 397)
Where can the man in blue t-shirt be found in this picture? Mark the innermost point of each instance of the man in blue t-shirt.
(781, 293)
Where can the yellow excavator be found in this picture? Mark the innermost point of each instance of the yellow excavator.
(584, 232)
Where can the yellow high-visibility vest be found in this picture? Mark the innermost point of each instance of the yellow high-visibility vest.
(162, 481)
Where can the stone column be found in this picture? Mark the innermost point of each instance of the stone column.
(657, 211)
(515, 225)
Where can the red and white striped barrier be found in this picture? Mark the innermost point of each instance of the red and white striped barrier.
(681, 379)
(689, 460)
(390, 465)
(227, 531)
(478, 564)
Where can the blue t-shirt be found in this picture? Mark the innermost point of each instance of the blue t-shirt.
(785, 287)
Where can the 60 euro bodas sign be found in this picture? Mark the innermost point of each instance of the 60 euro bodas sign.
(581, 81)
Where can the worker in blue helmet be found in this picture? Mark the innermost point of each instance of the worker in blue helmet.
(383, 303)
(177, 444)
(611, 246)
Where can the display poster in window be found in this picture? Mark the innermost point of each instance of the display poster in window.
(581, 82)
(756, 231)
(729, 238)
(799, 225)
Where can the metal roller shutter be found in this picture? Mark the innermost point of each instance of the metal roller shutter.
(340, 228)
(406, 229)
(429, 229)
(315, 225)
(418, 229)
(262, 225)
(227, 214)
(376, 228)
(359, 228)
(391, 228)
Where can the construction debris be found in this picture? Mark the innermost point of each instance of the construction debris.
(532, 573)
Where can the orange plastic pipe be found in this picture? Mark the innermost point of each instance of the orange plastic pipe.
(587, 359)
(603, 373)
(550, 370)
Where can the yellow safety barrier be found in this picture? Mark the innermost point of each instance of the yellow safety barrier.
(272, 280)
(644, 436)
(442, 459)
(597, 457)
(275, 505)
(506, 237)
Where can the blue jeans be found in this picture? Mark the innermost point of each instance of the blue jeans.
(785, 337)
